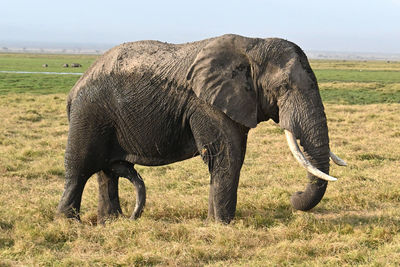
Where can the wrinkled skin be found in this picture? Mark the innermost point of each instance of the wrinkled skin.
(154, 103)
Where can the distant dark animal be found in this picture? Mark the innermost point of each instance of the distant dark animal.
(45, 65)
(76, 65)
(65, 65)
(154, 103)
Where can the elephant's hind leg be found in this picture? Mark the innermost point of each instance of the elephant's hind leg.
(109, 205)
(108, 186)
(76, 178)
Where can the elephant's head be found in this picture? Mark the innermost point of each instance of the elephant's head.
(253, 80)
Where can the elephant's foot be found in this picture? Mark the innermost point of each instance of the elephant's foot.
(67, 212)
(70, 202)
(107, 212)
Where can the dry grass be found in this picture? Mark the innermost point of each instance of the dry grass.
(357, 223)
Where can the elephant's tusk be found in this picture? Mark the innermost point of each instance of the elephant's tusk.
(337, 160)
(294, 148)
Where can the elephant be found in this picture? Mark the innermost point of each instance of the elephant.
(154, 103)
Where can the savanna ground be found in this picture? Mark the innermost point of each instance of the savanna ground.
(357, 222)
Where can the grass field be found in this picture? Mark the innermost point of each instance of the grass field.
(357, 222)
(34, 62)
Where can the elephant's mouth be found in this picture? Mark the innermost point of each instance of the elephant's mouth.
(299, 156)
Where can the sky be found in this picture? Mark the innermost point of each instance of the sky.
(315, 25)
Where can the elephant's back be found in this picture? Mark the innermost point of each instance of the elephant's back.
(158, 58)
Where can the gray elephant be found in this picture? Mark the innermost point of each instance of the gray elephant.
(154, 103)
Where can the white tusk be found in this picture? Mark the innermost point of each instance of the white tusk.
(337, 160)
(294, 148)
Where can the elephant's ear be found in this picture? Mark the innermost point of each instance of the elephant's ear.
(221, 76)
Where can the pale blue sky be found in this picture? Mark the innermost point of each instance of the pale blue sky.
(338, 25)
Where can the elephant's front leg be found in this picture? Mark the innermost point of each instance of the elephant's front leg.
(222, 144)
(224, 163)
(109, 205)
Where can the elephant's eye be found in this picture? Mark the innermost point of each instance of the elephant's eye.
(284, 87)
(234, 73)
(241, 67)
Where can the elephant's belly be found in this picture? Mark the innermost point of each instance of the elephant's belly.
(158, 161)
(157, 147)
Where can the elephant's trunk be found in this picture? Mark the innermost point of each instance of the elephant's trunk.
(307, 122)
(315, 189)
(316, 150)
